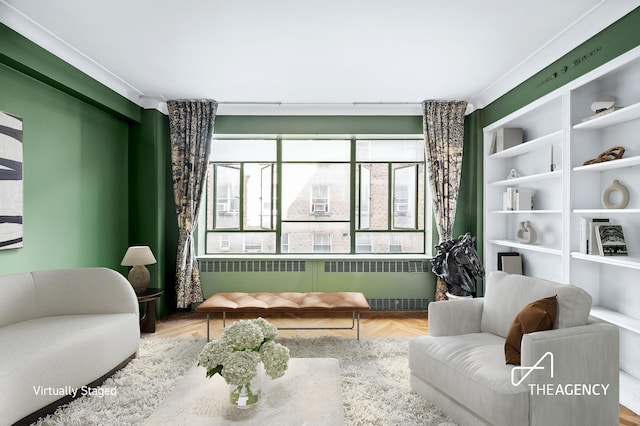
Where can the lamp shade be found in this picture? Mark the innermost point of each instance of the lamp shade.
(138, 255)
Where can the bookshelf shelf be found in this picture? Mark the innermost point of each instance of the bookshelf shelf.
(609, 165)
(621, 261)
(528, 146)
(606, 211)
(616, 318)
(623, 115)
(526, 179)
(527, 211)
(529, 247)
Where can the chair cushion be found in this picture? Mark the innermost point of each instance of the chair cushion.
(537, 316)
(506, 295)
(469, 369)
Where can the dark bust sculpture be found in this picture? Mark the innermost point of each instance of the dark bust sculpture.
(457, 263)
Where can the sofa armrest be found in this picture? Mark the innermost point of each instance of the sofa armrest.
(83, 291)
(454, 317)
(583, 383)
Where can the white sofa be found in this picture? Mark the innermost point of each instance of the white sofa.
(460, 366)
(61, 329)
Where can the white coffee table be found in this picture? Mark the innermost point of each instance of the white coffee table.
(308, 394)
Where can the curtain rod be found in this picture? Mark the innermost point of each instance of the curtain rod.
(315, 103)
(161, 98)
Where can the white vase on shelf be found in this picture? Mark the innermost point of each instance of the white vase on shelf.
(526, 234)
(615, 186)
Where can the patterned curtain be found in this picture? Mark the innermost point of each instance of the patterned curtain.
(191, 129)
(443, 124)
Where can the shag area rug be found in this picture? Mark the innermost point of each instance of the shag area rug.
(375, 382)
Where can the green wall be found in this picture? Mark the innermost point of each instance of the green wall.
(75, 179)
(314, 277)
(148, 168)
(94, 165)
(229, 124)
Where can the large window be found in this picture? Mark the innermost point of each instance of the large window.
(300, 196)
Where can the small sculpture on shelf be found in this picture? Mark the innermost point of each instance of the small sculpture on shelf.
(615, 186)
(614, 153)
(526, 234)
(513, 174)
(602, 106)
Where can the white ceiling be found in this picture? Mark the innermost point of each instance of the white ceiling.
(311, 52)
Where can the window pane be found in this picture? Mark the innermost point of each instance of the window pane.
(268, 190)
(315, 237)
(316, 150)
(227, 182)
(374, 215)
(390, 150)
(364, 201)
(211, 199)
(315, 192)
(389, 242)
(241, 242)
(243, 150)
(257, 196)
(404, 197)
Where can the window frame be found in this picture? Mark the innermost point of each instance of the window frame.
(424, 226)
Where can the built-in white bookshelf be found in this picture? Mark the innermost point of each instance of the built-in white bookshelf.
(569, 190)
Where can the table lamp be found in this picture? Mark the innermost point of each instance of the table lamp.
(138, 257)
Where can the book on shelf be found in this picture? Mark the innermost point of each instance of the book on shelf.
(510, 262)
(505, 138)
(588, 234)
(610, 240)
(601, 113)
(517, 199)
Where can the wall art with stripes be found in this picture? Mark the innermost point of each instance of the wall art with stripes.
(11, 181)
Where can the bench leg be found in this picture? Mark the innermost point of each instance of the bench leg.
(355, 322)
(208, 315)
(224, 322)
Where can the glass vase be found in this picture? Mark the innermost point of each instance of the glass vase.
(246, 395)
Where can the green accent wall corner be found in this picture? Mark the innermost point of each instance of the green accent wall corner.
(75, 179)
(30, 59)
(148, 151)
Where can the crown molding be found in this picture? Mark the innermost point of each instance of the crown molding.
(588, 25)
(29, 29)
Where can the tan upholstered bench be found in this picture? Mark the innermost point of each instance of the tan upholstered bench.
(288, 302)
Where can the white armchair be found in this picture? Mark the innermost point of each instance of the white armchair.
(460, 366)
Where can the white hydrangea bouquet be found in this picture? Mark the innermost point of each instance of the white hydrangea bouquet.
(236, 356)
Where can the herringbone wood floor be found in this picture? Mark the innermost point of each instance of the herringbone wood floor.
(372, 324)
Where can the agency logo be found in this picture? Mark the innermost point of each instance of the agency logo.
(529, 370)
(555, 389)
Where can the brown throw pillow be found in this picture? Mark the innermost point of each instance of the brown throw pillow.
(536, 316)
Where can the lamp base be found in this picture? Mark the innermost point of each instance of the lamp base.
(139, 278)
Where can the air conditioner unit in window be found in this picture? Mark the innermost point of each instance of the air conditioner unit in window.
(319, 208)
(402, 209)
